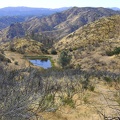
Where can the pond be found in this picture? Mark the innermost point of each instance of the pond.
(41, 63)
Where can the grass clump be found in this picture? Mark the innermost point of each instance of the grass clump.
(68, 101)
(107, 79)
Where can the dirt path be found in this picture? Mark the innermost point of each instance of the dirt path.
(17, 60)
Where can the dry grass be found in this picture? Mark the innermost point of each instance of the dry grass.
(89, 106)
(23, 46)
(90, 44)
(16, 57)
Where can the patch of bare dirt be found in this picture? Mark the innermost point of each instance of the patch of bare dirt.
(17, 60)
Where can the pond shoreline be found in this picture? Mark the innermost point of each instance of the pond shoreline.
(46, 64)
(42, 58)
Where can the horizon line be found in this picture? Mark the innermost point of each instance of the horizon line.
(54, 8)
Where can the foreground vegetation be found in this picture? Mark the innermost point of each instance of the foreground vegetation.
(85, 80)
(29, 93)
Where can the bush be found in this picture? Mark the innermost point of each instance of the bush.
(64, 59)
(116, 51)
(54, 52)
(12, 49)
(8, 60)
(91, 88)
(109, 53)
(16, 63)
(44, 50)
(108, 79)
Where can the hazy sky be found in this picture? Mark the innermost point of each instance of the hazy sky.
(60, 3)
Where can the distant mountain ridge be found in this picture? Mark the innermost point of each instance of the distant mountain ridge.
(115, 8)
(57, 25)
(11, 15)
(28, 11)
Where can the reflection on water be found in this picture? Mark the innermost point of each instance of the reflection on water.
(42, 63)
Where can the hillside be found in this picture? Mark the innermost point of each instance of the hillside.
(8, 20)
(10, 15)
(13, 31)
(61, 24)
(92, 44)
(98, 31)
(87, 89)
(23, 46)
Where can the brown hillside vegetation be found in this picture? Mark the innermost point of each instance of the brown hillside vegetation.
(13, 31)
(69, 94)
(57, 25)
(23, 46)
(86, 89)
(60, 24)
(96, 32)
(91, 44)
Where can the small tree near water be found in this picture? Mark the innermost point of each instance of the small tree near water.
(64, 59)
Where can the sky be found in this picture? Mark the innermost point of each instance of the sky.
(60, 3)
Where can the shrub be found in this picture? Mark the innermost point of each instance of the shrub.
(16, 63)
(64, 59)
(91, 88)
(107, 79)
(109, 53)
(116, 51)
(8, 60)
(2, 57)
(44, 50)
(12, 49)
(53, 51)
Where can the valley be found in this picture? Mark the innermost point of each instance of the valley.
(82, 46)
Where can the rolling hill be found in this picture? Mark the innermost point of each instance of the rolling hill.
(23, 46)
(98, 31)
(8, 20)
(60, 24)
(87, 89)
(91, 45)
(10, 15)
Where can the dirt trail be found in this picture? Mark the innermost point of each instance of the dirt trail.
(17, 60)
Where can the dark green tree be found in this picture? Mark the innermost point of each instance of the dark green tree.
(64, 59)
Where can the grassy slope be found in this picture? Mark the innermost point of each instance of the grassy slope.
(91, 42)
(81, 103)
(23, 46)
(57, 25)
